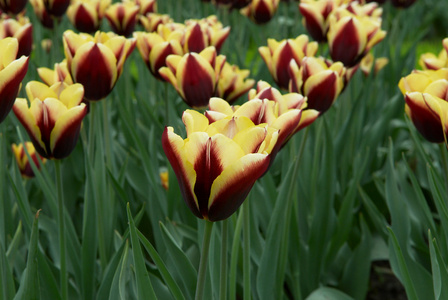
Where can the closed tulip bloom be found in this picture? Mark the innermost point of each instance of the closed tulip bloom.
(13, 7)
(233, 83)
(351, 37)
(86, 15)
(96, 61)
(423, 92)
(151, 21)
(145, 6)
(12, 72)
(56, 8)
(200, 34)
(154, 49)
(54, 117)
(315, 17)
(277, 56)
(22, 159)
(60, 73)
(217, 164)
(194, 75)
(317, 81)
(44, 17)
(285, 103)
(122, 17)
(260, 11)
(22, 30)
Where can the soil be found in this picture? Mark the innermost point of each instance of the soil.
(383, 283)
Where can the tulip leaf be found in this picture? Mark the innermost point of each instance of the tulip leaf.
(439, 270)
(144, 286)
(326, 293)
(6, 279)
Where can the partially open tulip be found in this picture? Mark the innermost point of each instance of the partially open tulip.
(154, 49)
(122, 17)
(260, 11)
(96, 61)
(86, 15)
(277, 56)
(429, 61)
(319, 82)
(194, 75)
(42, 14)
(233, 83)
(145, 6)
(53, 118)
(351, 37)
(151, 21)
(22, 159)
(56, 8)
(13, 7)
(200, 34)
(12, 72)
(426, 96)
(22, 30)
(217, 164)
(315, 17)
(60, 73)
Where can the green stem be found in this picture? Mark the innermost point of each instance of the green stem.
(223, 278)
(91, 137)
(167, 107)
(443, 150)
(246, 250)
(62, 245)
(234, 256)
(204, 258)
(3, 179)
(107, 143)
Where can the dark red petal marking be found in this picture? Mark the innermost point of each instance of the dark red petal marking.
(84, 21)
(65, 145)
(197, 85)
(262, 14)
(322, 96)
(196, 42)
(345, 45)
(282, 65)
(313, 26)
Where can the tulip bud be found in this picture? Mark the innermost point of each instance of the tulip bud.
(96, 61)
(369, 62)
(122, 17)
(56, 8)
(164, 179)
(315, 17)
(44, 17)
(12, 72)
(200, 34)
(194, 75)
(22, 30)
(13, 7)
(217, 164)
(260, 11)
(22, 159)
(146, 6)
(151, 21)
(86, 15)
(54, 117)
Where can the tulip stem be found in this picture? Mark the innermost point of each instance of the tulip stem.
(62, 246)
(107, 143)
(167, 107)
(203, 263)
(234, 256)
(246, 250)
(223, 278)
(443, 150)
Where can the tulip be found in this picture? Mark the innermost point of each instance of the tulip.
(13, 7)
(146, 6)
(96, 61)
(286, 103)
(429, 61)
(319, 82)
(402, 3)
(56, 8)
(154, 49)
(277, 56)
(22, 30)
(59, 74)
(12, 72)
(164, 179)
(194, 75)
(426, 96)
(233, 83)
(22, 159)
(151, 21)
(122, 17)
(359, 9)
(351, 37)
(260, 11)
(369, 62)
(86, 15)
(54, 117)
(217, 164)
(315, 17)
(200, 34)
(42, 14)
(46, 45)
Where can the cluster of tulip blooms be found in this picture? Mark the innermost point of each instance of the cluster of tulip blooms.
(426, 95)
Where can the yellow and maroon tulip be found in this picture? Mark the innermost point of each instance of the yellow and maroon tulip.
(233, 83)
(41, 13)
(260, 11)
(154, 49)
(277, 56)
(56, 8)
(22, 159)
(22, 30)
(315, 17)
(96, 61)
(194, 75)
(319, 82)
(122, 17)
(12, 72)
(217, 164)
(200, 34)
(54, 117)
(424, 91)
(146, 6)
(369, 62)
(351, 37)
(429, 61)
(86, 15)
(13, 7)
(151, 21)
(60, 73)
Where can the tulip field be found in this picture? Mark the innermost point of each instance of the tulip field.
(223, 149)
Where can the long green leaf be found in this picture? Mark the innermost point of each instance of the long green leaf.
(439, 270)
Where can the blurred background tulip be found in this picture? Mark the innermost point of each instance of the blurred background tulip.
(21, 29)
(260, 11)
(12, 72)
(200, 34)
(315, 17)
(429, 61)
(151, 21)
(369, 62)
(122, 17)
(13, 7)
(56, 8)
(53, 118)
(23, 163)
(86, 15)
(233, 83)
(42, 14)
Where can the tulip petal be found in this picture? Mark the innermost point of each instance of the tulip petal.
(322, 89)
(194, 121)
